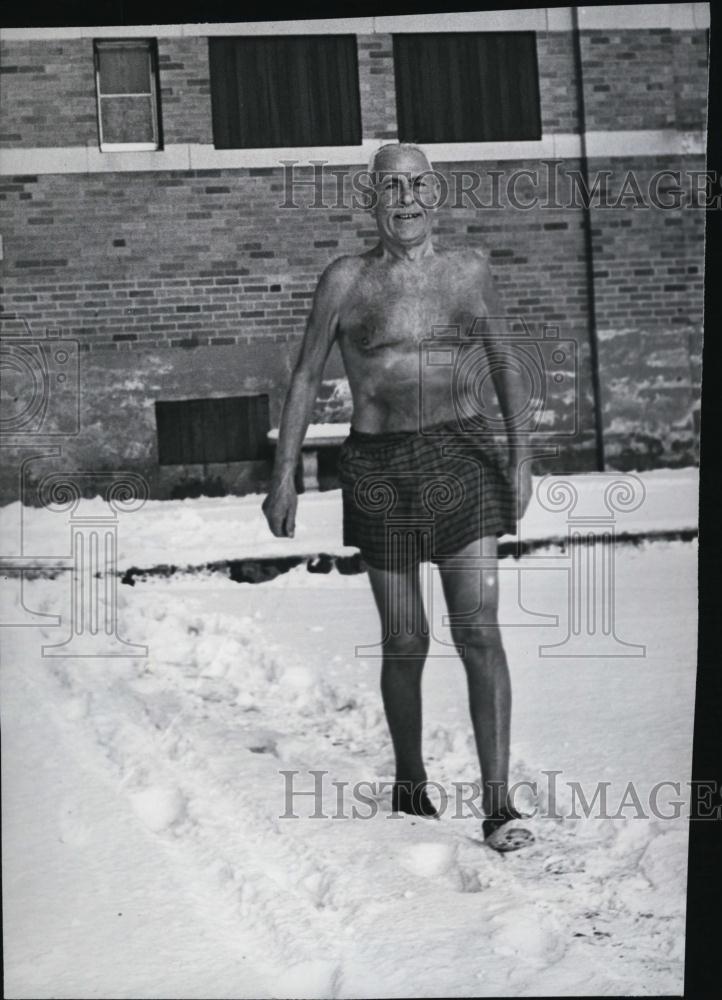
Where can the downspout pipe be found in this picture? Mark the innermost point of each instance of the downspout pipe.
(588, 247)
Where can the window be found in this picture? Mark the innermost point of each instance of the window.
(126, 80)
(199, 431)
(290, 91)
(467, 86)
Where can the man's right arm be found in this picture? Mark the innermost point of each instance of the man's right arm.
(280, 504)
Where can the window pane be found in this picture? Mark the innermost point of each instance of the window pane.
(124, 70)
(127, 119)
(289, 91)
(467, 86)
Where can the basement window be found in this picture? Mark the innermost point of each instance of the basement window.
(126, 83)
(202, 431)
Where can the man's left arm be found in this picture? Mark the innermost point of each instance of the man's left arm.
(511, 388)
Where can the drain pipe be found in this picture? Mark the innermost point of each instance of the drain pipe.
(588, 246)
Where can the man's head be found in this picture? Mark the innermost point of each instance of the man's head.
(406, 193)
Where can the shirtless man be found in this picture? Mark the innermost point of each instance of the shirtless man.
(380, 306)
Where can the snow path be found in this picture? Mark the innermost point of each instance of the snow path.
(192, 741)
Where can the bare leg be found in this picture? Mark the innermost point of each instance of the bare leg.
(470, 583)
(405, 640)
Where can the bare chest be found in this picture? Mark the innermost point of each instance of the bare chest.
(389, 313)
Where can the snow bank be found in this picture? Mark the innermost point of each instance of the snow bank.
(193, 532)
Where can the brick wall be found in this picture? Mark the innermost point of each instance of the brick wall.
(651, 79)
(185, 89)
(137, 264)
(377, 88)
(48, 91)
(557, 93)
(649, 266)
(47, 94)
(155, 256)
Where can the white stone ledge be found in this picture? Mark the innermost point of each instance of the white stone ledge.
(602, 145)
(663, 142)
(531, 19)
(675, 16)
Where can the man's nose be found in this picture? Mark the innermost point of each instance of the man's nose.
(407, 195)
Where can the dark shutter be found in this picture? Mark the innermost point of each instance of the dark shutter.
(467, 86)
(201, 431)
(290, 91)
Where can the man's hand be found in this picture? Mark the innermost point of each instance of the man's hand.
(521, 481)
(280, 509)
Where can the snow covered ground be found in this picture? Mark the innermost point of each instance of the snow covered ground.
(146, 853)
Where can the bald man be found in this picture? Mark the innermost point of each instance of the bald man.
(416, 485)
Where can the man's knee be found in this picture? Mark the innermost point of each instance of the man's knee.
(406, 644)
(481, 636)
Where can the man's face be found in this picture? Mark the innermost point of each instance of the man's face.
(406, 194)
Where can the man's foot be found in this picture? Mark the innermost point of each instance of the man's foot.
(409, 797)
(504, 833)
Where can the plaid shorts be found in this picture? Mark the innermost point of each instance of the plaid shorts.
(410, 496)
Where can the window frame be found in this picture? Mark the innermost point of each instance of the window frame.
(151, 48)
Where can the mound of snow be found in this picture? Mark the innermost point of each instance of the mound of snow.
(429, 859)
(159, 807)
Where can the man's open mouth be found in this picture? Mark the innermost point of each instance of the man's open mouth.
(409, 215)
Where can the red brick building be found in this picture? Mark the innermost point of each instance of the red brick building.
(146, 215)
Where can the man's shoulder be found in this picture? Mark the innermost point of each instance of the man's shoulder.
(344, 268)
(339, 274)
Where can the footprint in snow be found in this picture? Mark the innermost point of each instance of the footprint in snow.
(560, 865)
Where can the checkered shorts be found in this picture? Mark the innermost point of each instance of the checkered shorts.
(410, 496)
